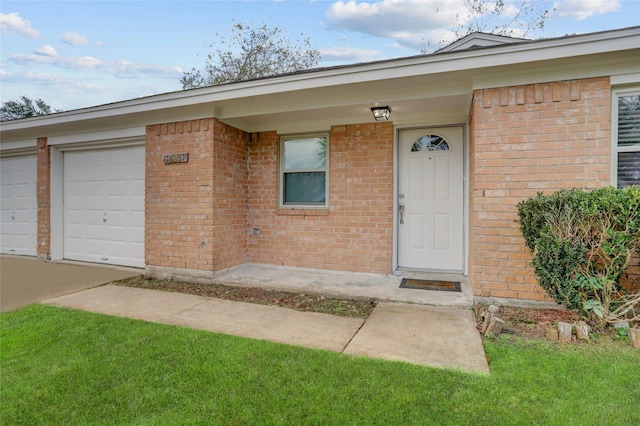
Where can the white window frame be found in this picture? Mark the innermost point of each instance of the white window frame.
(281, 172)
(615, 149)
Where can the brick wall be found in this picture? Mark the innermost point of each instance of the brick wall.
(196, 212)
(630, 279)
(355, 233)
(524, 140)
(43, 195)
(230, 186)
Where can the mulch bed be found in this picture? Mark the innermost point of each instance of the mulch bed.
(356, 307)
(532, 323)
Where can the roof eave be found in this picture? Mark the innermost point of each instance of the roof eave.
(547, 49)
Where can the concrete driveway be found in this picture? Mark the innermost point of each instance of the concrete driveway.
(26, 280)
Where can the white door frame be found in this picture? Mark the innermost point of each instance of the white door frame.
(465, 180)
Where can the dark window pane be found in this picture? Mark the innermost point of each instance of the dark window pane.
(305, 154)
(304, 188)
(628, 169)
(629, 120)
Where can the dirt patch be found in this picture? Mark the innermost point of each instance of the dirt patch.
(355, 307)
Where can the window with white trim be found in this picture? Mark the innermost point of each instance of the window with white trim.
(625, 158)
(303, 171)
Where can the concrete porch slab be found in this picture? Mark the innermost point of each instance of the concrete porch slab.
(345, 284)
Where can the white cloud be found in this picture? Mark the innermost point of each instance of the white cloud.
(583, 9)
(76, 39)
(408, 21)
(121, 68)
(59, 91)
(429, 24)
(347, 54)
(38, 79)
(62, 62)
(128, 69)
(12, 23)
(46, 79)
(46, 50)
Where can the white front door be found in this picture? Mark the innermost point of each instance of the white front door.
(430, 199)
(18, 205)
(104, 206)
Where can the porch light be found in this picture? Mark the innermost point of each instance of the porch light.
(381, 113)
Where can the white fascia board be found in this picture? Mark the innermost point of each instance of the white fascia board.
(102, 136)
(518, 53)
(18, 146)
(625, 79)
(620, 66)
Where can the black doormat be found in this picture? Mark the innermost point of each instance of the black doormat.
(430, 285)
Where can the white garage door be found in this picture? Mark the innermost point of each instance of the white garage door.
(18, 205)
(104, 206)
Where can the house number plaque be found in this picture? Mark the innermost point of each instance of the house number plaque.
(176, 158)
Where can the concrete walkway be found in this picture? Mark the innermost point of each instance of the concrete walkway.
(427, 335)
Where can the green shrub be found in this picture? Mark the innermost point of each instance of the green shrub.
(581, 242)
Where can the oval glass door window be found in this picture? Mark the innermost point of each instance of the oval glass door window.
(430, 143)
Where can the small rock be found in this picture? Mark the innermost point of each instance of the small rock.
(634, 337)
(552, 334)
(480, 310)
(564, 331)
(495, 326)
(493, 309)
(621, 325)
(582, 330)
(488, 316)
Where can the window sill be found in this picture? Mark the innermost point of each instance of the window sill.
(283, 211)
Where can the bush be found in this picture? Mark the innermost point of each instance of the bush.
(581, 242)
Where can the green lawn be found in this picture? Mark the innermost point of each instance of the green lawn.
(60, 366)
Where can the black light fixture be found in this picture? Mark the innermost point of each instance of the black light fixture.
(381, 113)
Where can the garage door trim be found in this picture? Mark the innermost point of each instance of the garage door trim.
(57, 184)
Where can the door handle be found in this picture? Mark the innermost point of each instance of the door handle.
(401, 211)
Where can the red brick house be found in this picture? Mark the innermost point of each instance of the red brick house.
(295, 170)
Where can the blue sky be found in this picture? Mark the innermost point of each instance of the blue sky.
(75, 54)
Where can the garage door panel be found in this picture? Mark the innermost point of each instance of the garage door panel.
(126, 254)
(122, 203)
(129, 218)
(125, 235)
(18, 205)
(104, 206)
(24, 229)
(85, 232)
